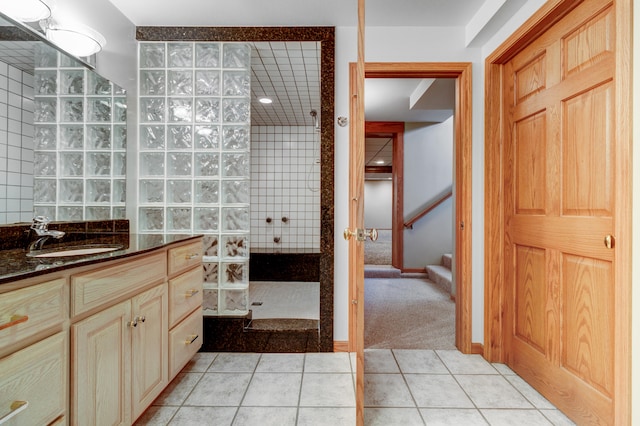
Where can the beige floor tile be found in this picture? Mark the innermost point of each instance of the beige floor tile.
(273, 389)
(326, 416)
(386, 390)
(327, 390)
(266, 416)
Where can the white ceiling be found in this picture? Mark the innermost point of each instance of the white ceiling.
(298, 12)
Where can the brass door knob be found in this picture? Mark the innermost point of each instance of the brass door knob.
(609, 241)
(348, 233)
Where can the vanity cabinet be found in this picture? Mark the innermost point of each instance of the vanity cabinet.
(96, 344)
(185, 305)
(34, 354)
(120, 353)
(120, 359)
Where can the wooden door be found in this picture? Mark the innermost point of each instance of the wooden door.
(149, 347)
(560, 202)
(356, 212)
(100, 366)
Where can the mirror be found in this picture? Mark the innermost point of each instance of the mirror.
(62, 133)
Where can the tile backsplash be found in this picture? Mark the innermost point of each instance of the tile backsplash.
(16, 145)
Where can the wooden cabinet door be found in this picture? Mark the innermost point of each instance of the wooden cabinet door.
(560, 202)
(100, 374)
(149, 347)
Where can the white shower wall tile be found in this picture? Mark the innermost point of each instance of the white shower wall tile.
(285, 182)
(16, 155)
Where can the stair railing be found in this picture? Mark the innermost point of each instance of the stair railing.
(430, 207)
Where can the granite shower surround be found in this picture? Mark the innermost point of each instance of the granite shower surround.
(326, 35)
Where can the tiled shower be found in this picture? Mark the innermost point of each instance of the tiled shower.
(285, 184)
(203, 168)
(16, 145)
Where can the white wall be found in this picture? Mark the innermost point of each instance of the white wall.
(428, 174)
(378, 204)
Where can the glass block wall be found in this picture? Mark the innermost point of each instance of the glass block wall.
(194, 161)
(16, 145)
(79, 141)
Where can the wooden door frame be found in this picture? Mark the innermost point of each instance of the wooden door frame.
(494, 241)
(461, 71)
(395, 131)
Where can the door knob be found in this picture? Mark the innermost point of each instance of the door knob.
(361, 234)
(609, 241)
(348, 233)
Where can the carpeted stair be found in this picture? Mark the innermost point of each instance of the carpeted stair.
(381, 271)
(441, 274)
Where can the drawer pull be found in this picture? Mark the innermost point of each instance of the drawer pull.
(15, 320)
(191, 293)
(193, 339)
(16, 407)
(191, 256)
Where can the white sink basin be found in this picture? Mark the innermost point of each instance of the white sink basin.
(77, 251)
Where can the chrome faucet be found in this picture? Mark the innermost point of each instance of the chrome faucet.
(40, 226)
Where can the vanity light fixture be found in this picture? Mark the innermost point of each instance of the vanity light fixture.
(265, 100)
(79, 40)
(27, 10)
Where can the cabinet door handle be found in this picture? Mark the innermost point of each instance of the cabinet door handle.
(142, 318)
(133, 323)
(193, 339)
(16, 407)
(191, 256)
(14, 320)
(191, 293)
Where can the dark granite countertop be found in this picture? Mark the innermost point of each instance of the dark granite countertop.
(16, 265)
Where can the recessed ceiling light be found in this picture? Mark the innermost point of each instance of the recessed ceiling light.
(380, 162)
(265, 100)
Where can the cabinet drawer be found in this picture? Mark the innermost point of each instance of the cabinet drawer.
(31, 310)
(184, 257)
(99, 287)
(184, 341)
(185, 294)
(36, 374)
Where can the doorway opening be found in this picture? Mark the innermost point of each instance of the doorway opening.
(461, 72)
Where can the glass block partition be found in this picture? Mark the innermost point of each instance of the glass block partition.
(79, 141)
(194, 157)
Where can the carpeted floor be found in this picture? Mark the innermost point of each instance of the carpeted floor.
(407, 313)
(378, 252)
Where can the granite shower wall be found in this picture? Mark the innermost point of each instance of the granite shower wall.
(16, 145)
(285, 184)
(194, 157)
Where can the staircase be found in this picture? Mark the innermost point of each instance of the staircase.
(381, 271)
(441, 274)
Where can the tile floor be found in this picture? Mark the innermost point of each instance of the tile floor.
(402, 387)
